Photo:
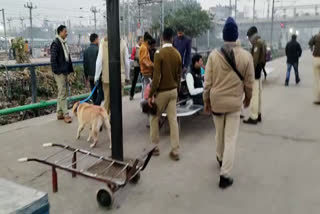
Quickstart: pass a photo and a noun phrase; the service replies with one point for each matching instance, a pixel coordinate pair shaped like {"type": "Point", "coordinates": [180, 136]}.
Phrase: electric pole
{"type": "Point", "coordinates": [9, 22]}
{"type": "Point", "coordinates": [5, 31]}
{"type": "Point", "coordinates": [230, 7]}
{"type": "Point", "coordinates": [272, 20]}
{"type": "Point", "coordinates": [268, 9]}
{"type": "Point", "coordinates": [235, 9]}
{"type": "Point", "coordinates": [162, 16]}
{"type": "Point", "coordinates": [254, 10]}
{"type": "Point", "coordinates": [22, 23]}
{"type": "Point", "coordinates": [94, 11]}
{"type": "Point", "coordinates": [30, 6]}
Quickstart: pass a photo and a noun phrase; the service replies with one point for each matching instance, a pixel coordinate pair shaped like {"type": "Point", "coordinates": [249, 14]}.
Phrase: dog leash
{"type": "Point", "coordinates": [91, 94]}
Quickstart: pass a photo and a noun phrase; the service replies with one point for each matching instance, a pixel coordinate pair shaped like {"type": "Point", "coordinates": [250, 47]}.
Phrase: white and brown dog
{"type": "Point", "coordinates": [94, 116]}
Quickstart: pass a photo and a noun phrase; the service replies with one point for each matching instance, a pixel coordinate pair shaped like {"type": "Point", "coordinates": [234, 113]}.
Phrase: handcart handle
{"type": "Point", "coordinates": [23, 160]}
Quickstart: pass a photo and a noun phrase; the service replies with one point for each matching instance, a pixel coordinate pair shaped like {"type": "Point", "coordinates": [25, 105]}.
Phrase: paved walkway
{"type": "Point", "coordinates": [276, 169]}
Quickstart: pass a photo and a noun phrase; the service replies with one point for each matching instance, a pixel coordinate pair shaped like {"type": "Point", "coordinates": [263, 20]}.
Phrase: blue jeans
{"type": "Point", "coordinates": [295, 67]}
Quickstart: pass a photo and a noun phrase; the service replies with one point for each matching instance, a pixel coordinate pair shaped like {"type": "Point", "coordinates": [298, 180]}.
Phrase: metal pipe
{"type": "Point", "coordinates": [115, 79]}
{"type": "Point", "coordinates": [272, 20]}
{"type": "Point", "coordinates": [42, 104]}
{"type": "Point", "coordinates": [33, 84]}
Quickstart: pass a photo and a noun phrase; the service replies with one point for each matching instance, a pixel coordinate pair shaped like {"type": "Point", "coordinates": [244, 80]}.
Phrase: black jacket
{"type": "Point", "coordinates": [89, 60]}
{"type": "Point", "coordinates": [293, 51]}
{"type": "Point", "coordinates": [58, 61]}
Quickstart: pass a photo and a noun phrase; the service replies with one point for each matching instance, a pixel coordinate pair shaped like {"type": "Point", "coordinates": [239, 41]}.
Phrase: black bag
{"type": "Point", "coordinates": [147, 109]}
{"type": "Point", "coordinates": [232, 63]}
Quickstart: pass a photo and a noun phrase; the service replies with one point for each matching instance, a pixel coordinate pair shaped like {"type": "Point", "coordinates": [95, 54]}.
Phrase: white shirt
{"type": "Point", "coordinates": [127, 63]}
{"type": "Point", "coordinates": [98, 64]}
{"type": "Point", "coordinates": [190, 83]}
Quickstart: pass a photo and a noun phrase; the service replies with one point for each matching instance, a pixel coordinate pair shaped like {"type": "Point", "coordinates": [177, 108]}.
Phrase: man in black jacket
{"type": "Point", "coordinates": [61, 67]}
{"type": "Point", "coordinates": [293, 52]}
{"type": "Point", "coordinates": [195, 81]}
{"type": "Point", "coordinates": [89, 67]}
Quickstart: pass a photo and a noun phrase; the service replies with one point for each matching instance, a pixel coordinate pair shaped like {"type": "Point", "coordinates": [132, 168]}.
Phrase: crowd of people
{"type": "Point", "coordinates": [231, 81]}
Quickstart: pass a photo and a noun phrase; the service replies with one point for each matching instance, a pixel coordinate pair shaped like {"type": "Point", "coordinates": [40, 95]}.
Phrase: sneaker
{"type": "Point", "coordinates": [174, 156]}
{"type": "Point", "coordinates": [251, 121]}
{"type": "Point", "coordinates": [286, 84]}
{"type": "Point", "coordinates": [67, 119]}
{"type": "Point", "coordinates": [298, 81]}
{"type": "Point", "coordinates": [316, 102]}
{"type": "Point", "coordinates": [219, 162]}
{"type": "Point", "coordinates": [225, 182]}
{"type": "Point", "coordinates": [259, 118]}
{"type": "Point", "coordinates": [131, 98]}
{"type": "Point", "coordinates": [60, 117]}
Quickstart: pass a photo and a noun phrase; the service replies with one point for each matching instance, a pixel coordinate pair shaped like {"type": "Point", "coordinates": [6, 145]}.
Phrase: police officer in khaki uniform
{"type": "Point", "coordinates": [258, 52]}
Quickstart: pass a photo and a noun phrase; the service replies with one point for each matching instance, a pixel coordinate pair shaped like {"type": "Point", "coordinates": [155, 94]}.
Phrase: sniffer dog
{"type": "Point", "coordinates": [94, 116]}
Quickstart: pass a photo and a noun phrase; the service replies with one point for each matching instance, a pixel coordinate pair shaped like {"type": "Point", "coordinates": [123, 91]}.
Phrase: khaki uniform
{"type": "Point", "coordinates": [224, 90]}
{"type": "Point", "coordinates": [165, 84]}
{"type": "Point", "coordinates": [105, 70]}
{"type": "Point", "coordinates": [259, 53]}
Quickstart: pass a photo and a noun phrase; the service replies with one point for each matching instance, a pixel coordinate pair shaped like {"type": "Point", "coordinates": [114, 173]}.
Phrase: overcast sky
{"type": "Point", "coordinates": [61, 10]}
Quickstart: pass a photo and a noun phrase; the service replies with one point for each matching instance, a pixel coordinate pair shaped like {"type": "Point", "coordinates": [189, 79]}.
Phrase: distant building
{"type": "Point", "coordinates": [219, 12]}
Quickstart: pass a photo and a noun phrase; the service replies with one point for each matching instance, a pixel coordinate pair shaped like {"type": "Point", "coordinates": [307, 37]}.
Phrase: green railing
{"type": "Point", "coordinates": [42, 104]}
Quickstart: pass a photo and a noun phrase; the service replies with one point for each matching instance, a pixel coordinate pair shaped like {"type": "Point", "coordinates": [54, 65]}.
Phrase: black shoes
{"type": "Point", "coordinates": [131, 98]}
{"type": "Point", "coordinates": [259, 118]}
{"type": "Point", "coordinates": [251, 121]}
{"type": "Point", "coordinates": [219, 162]}
{"type": "Point", "coordinates": [225, 182]}
{"type": "Point", "coordinates": [286, 84]}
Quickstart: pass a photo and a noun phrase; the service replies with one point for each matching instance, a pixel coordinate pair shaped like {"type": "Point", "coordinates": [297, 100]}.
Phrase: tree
{"type": "Point", "coordinates": [191, 16]}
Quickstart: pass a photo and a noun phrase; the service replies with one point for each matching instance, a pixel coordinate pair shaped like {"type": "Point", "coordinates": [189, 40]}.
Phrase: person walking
{"type": "Point", "coordinates": [164, 92]}
{"type": "Point", "coordinates": [146, 65]}
{"type": "Point", "coordinates": [228, 77]}
{"type": "Point", "coordinates": [293, 53]}
{"type": "Point", "coordinates": [183, 44]}
{"type": "Point", "coordinates": [136, 65]}
{"type": "Point", "coordinates": [314, 44]}
{"type": "Point", "coordinates": [89, 66]}
{"type": "Point", "coordinates": [61, 65]}
{"type": "Point", "coordinates": [258, 52]}
{"type": "Point", "coordinates": [102, 68]}
{"type": "Point", "coordinates": [195, 81]}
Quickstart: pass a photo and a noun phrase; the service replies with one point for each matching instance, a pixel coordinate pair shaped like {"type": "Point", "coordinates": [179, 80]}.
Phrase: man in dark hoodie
{"type": "Point", "coordinates": [89, 67]}
{"type": "Point", "coordinates": [293, 53]}
{"type": "Point", "coordinates": [183, 44]}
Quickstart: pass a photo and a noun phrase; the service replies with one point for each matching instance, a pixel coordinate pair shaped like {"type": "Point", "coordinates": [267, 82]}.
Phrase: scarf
{"type": "Point", "coordinates": [65, 47]}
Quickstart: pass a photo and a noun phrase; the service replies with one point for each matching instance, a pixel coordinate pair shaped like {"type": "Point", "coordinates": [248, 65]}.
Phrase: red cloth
{"type": "Point", "coordinates": [147, 92]}
{"type": "Point", "coordinates": [133, 53]}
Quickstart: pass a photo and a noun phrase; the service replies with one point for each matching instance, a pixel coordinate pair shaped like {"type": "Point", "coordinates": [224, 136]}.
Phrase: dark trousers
{"type": "Point", "coordinates": [98, 95]}
{"type": "Point", "coordinates": [134, 81]}
{"type": "Point", "coordinates": [197, 99]}
{"type": "Point", "coordinates": [296, 71]}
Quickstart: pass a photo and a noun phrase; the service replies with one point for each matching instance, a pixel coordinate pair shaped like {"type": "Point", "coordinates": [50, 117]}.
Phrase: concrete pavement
{"type": "Point", "coordinates": [276, 169]}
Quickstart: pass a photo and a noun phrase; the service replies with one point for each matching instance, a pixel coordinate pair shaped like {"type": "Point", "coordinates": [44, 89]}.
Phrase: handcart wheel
{"type": "Point", "coordinates": [135, 179]}
{"type": "Point", "coordinates": [105, 198]}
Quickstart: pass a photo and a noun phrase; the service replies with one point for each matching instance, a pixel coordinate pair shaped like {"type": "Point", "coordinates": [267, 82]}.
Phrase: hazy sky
{"type": "Point", "coordinates": [61, 10]}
